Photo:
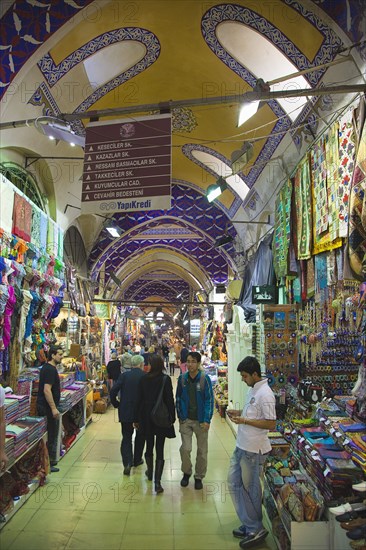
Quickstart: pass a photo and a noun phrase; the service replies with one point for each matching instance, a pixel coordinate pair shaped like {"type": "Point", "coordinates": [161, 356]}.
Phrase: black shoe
{"type": "Point", "coordinates": [54, 469]}
{"type": "Point", "coordinates": [240, 532]}
{"type": "Point", "coordinates": [198, 484]}
{"type": "Point", "coordinates": [357, 533]}
{"type": "Point", "coordinates": [127, 470]}
{"type": "Point", "coordinates": [252, 538]}
{"type": "Point", "coordinates": [138, 463]}
{"type": "Point", "coordinates": [349, 516]}
{"type": "Point", "coordinates": [185, 480]}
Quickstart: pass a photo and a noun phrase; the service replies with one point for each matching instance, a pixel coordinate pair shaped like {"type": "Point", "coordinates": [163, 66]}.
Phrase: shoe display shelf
{"type": "Point", "coordinates": [300, 535]}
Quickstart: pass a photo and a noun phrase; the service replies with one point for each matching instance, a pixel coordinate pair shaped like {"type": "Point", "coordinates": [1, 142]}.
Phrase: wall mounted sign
{"type": "Point", "coordinates": [127, 165]}
{"type": "Point", "coordinates": [264, 294]}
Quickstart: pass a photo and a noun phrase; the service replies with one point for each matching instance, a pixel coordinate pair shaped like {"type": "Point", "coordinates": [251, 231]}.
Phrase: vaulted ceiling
{"type": "Point", "coordinates": [80, 56]}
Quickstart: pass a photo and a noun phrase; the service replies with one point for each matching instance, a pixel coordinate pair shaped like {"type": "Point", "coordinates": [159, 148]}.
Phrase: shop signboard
{"type": "Point", "coordinates": [264, 294]}
{"type": "Point", "coordinates": [127, 165]}
{"type": "Point", "coordinates": [102, 310]}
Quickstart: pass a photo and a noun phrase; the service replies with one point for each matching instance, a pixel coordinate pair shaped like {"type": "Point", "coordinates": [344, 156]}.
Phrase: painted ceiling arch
{"type": "Point", "coordinates": [176, 51]}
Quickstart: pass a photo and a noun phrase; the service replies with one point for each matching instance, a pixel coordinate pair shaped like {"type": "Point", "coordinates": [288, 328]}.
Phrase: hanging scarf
{"type": "Point", "coordinates": [22, 218]}
{"type": "Point", "coordinates": [303, 205]}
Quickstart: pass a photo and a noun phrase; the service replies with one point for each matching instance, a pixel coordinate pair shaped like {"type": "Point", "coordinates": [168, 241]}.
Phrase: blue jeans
{"type": "Point", "coordinates": [244, 481]}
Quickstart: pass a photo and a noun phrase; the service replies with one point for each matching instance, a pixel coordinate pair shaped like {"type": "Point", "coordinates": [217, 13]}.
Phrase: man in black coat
{"type": "Point", "coordinates": [127, 388]}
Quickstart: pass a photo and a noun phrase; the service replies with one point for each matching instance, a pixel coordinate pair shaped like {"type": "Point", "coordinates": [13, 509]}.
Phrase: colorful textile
{"type": "Point", "coordinates": [324, 174]}
{"type": "Point", "coordinates": [6, 207]}
{"type": "Point", "coordinates": [22, 218]}
{"type": "Point", "coordinates": [357, 230]}
{"type": "Point", "coordinates": [281, 237]}
{"type": "Point", "coordinates": [36, 226]}
{"type": "Point", "coordinates": [43, 232]}
{"type": "Point", "coordinates": [319, 174]}
{"type": "Point", "coordinates": [347, 152]}
{"type": "Point", "coordinates": [303, 205]}
{"type": "Point", "coordinates": [310, 278]}
{"type": "Point", "coordinates": [332, 158]}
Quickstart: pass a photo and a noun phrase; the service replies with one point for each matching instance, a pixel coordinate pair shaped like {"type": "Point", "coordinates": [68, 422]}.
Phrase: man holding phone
{"type": "Point", "coordinates": [252, 446]}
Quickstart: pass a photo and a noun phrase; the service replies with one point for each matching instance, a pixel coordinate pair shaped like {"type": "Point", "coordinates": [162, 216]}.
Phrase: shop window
{"type": "Point", "coordinates": [24, 181]}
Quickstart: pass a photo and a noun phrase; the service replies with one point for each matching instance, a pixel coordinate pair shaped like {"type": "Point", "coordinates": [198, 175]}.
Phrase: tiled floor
{"type": "Point", "coordinates": [90, 505]}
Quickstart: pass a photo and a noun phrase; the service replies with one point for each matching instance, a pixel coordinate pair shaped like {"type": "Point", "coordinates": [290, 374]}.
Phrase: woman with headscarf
{"type": "Point", "coordinates": [149, 389]}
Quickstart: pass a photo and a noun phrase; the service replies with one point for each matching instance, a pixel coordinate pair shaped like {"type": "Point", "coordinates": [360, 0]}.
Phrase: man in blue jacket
{"type": "Point", "coordinates": [127, 388]}
{"type": "Point", "coordinates": [195, 406]}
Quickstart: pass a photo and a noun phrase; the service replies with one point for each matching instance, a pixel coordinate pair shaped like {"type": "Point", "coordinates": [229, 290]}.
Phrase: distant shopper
{"type": "Point", "coordinates": [146, 356]}
{"type": "Point", "coordinates": [3, 457]}
{"type": "Point", "coordinates": [126, 359]}
{"type": "Point", "coordinates": [149, 389]}
{"type": "Point", "coordinates": [252, 447]}
{"type": "Point", "coordinates": [195, 407]}
{"type": "Point", "coordinates": [183, 359]}
{"type": "Point", "coordinates": [127, 389]}
{"type": "Point", "coordinates": [165, 352]}
{"type": "Point", "coordinates": [172, 361]}
{"type": "Point", "coordinates": [48, 398]}
{"type": "Point", "coordinates": [113, 369]}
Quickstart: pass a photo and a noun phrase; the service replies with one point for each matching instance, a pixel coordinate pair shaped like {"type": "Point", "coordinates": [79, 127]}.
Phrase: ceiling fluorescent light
{"type": "Point", "coordinates": [215, 190]}
{"type": "Point", "coordinates": [247, 110]}
{"type": "Point", "coordinates": [114, 231]}
{"type": "Point", "coordinates": [241, 157]}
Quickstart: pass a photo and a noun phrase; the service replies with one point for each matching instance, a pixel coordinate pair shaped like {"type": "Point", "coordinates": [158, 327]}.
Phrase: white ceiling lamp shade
{"type": "Point", "coordinates": [241, 157]}
{"type": "Point", "coordinates": [247, 110]}
{"type": "Point", "coordinates": [58, 130]}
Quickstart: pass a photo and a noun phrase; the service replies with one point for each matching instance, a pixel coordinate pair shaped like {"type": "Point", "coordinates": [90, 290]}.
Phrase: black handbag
{"type": "Point", "coordinates": [160, 415]}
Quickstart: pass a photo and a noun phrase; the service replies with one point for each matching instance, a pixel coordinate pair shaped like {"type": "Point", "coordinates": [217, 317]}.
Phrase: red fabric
{"type": "Point", "coordinates": [22, 218]}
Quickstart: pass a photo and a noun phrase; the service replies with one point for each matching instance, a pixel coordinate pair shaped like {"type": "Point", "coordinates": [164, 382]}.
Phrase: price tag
{"type": "Point", "coordinates": [327, 422]}
{"type": "Point", "coordinates": [301, 439]}
{"type": "Point", "coordinates": [332, 430]}
{"type": "Point", "coordinates": [326, 472]}
{"type": "Point", "coordinates": [293, 432]}
{"type": "Point", "coordinates": [338, 434]}
{"type": "Point", "coordinates": [307, 447]}
{"type": "Point", "coordinates": [346, 442]}
{"type": "Point", "coordinates": [317, 458]}
{"type": "Point", "coordinates": [313, 453]}
{"type": "Point", "coordinates": [322, 419]}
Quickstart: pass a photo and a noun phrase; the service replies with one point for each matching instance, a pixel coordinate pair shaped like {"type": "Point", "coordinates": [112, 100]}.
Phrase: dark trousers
{"type": "Point", "coordinates": [53, 426]}
{"type": "Point", "coordinates": [172, 367]}
{"type": "Point", "coordinates": [159, 446]}
{"type": "Point", "coordinates": [130, 458]}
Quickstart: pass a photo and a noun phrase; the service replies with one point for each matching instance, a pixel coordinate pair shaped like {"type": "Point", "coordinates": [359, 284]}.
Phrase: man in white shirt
{"type": "Point", "coordinates": [252, 446]}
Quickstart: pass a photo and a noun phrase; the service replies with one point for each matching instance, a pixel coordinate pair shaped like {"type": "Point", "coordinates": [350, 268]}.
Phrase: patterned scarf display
{"type": "Point", "coordinates": [357, 227]}
{"type": "Point", "coordinates": [22, 218]}
{"type": "Point", "coordinates": [303, 206]}
{"type": "Point", "coordinates": [281, 237]}
{"type": "Point", "coordinates": [346, 164]}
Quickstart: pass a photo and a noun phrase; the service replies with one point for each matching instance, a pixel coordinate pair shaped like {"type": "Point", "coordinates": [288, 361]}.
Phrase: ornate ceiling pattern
{"type": "Point", "coordinates": [74, 56]}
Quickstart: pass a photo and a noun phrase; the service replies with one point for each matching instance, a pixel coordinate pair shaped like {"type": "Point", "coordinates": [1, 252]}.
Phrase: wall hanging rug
{"type": "Point", "coordinates": [357, 225]}
{"type": "Point", "coordinates": [346, 165]}
{"type": "Point", "coordinates": [281, 237]}
{"type": "Point", "coordinates": [303, 206]}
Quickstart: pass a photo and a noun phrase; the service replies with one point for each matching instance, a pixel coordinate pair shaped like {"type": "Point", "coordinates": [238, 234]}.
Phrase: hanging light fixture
{"type": "Point", "coordinates": [215, 190]}
{"type": "Point", "coordinates": [247, 110]}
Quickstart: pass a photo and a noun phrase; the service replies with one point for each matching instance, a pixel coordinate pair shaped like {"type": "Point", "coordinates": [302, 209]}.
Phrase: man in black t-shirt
{"type": "Point", "coordinates": [113, 368]}
{"type": "Point", "coordinates": [48, 398]}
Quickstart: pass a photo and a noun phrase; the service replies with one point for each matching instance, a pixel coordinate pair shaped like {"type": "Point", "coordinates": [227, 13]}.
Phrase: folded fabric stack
{"type": "Point", "coordinates": [21, 404]}
{"type": "Point", "coordinates": [66, 378]}
{"type": "Point", "coordinates": [19, 434]}
{"type": "Point", "coordinates": [71, 395]}
{"type": "Point", "coordinates": [36, 426]}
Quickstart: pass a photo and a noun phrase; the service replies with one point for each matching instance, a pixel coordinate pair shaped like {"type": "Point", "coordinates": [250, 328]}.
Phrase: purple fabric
{"type": "Point", "coordinates": [7, 316]}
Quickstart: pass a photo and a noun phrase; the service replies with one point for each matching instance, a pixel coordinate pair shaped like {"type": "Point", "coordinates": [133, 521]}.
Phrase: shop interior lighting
{"type": "Point", "coordinates": [114, 231]}
{"type": "Point", "coordinates": [247, 110]}
{"type": "Point", "coordinates": [185, 322]}
{"type": "Point", "coordinates": [58, 130]}
{"type": "Point", "coordinates": [215, 190]}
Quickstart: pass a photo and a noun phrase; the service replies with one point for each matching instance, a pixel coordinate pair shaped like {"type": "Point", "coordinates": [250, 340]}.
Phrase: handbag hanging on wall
{"type": "Point", "coordinates": [160, 414]}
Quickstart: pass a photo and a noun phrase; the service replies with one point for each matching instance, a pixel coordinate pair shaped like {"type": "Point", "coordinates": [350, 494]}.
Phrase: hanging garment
{"type": "Point", "coordinates": [347, 152]}
{"type": "Point", "coordinates": [303, 205]}
{"type": "Point", "coordinates": [22, 218]}
{"type": "Point", "coordinates": [281, 236]}
{"type": "Point", "coordinates": [6, 207]}
{"type": "Point", "coordinates": [357, 228]}
{"type": "Point", "coordinates": [7, 316]}
{"type": "Point", "coordinates": [27, 300]}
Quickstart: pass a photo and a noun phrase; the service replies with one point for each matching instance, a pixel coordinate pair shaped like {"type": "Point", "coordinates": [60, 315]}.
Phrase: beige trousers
{"type": "Point", "coordinates": [187, 429]}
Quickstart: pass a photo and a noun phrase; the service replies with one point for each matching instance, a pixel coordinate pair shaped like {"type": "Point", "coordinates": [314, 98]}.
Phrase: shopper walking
{"type": "Point", "coordinates": [126, 388]}
{"type": "Point", "coordinates": [48, 398]}
{"type": "Point", "coordinates": [183, 359]}
{"type": "Point", "coordinates": [252, 446]}
{"type": "Point", "coordinates": [149, 389]}
{"type": "Point", "coordinates": [195, 406]}
{"type": "Point", "coordinates": [172, 361]}
{"type": "Point", "coordinates": [113, 369]}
